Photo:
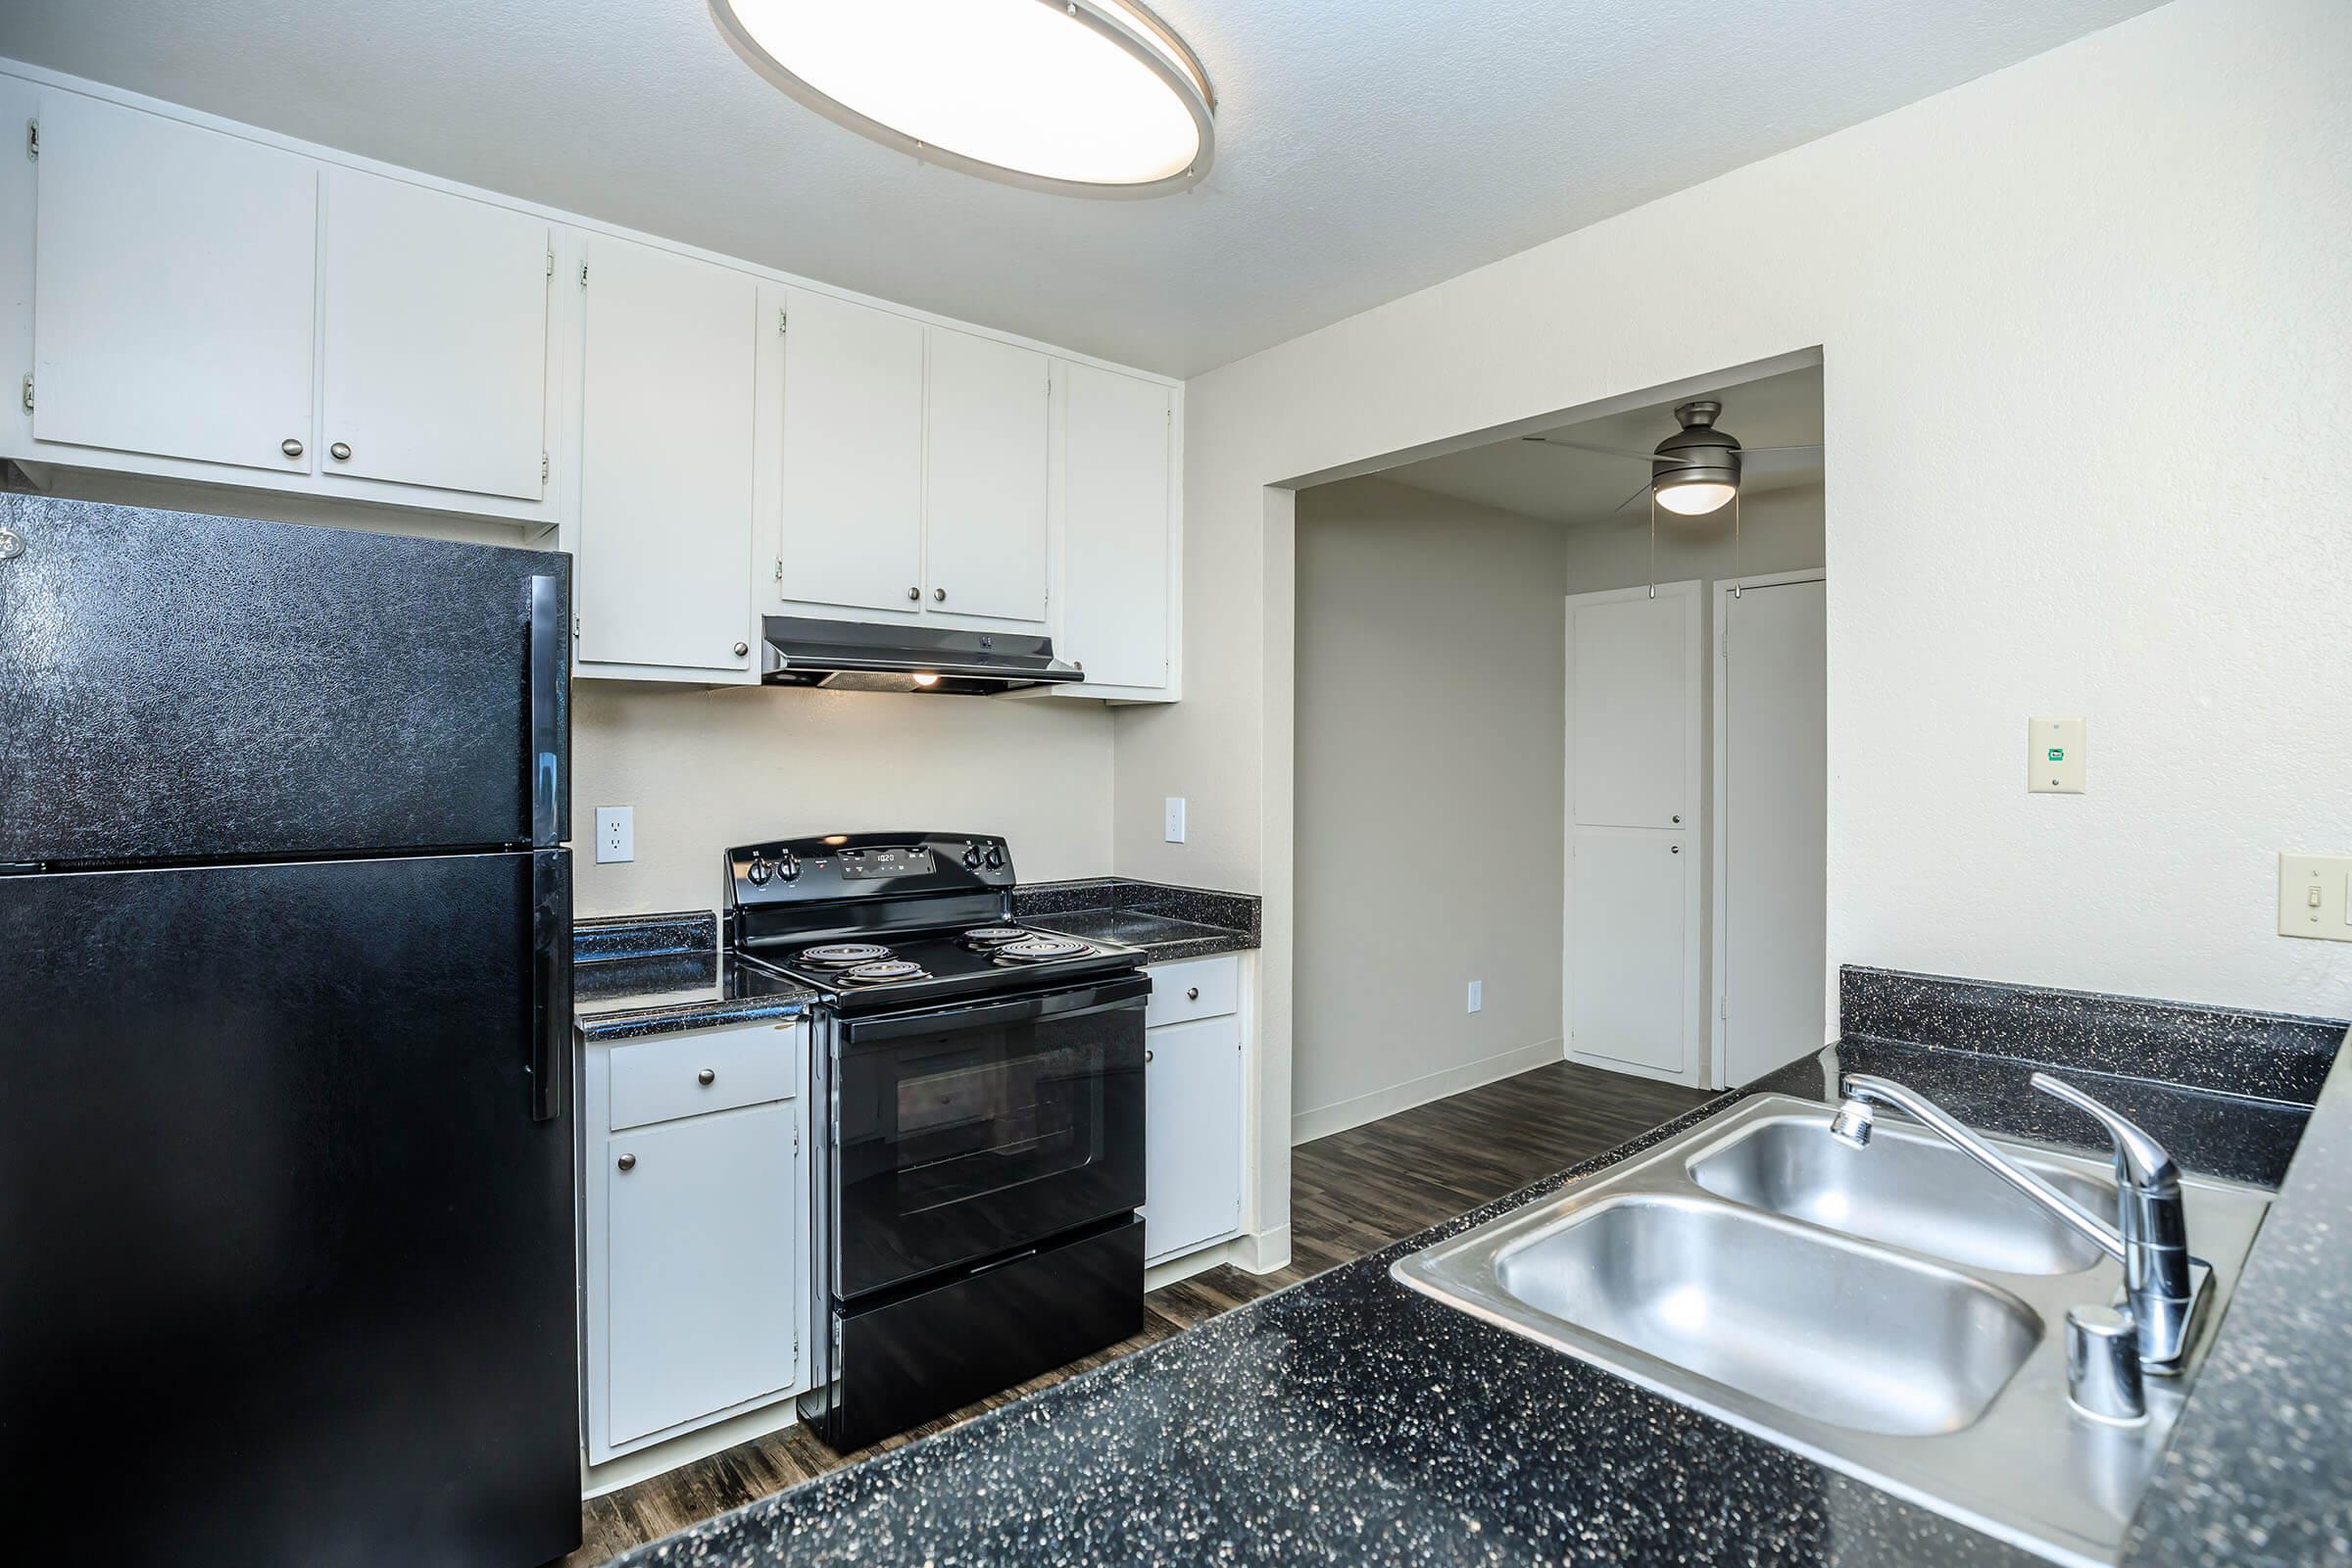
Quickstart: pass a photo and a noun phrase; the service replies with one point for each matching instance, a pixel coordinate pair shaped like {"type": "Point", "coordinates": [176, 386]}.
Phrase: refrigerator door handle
{"type": "Point", "coordinates": [546, 678]}
{"type": "Point", "coordinates": [551, 983]}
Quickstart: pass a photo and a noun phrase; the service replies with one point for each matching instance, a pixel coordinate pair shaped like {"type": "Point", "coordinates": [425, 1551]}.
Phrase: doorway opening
{"type": "Point", "coordinates": [1560, 780]}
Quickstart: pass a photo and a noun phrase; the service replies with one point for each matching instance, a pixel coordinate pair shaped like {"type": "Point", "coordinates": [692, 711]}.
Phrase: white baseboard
{"type": "Point", "coordinates": [1202, 1262]}
{"type": "Point", "coordinates": [1310, 1125]}
{"type": "Point", "coordinates": [1265, 1252]}
{"type": "Point", "coordinates": [627, 1469]}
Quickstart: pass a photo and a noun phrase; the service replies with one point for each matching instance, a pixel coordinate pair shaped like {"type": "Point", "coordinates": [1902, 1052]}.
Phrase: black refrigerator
{"type": "Point", "coordinates": [286, 1224]}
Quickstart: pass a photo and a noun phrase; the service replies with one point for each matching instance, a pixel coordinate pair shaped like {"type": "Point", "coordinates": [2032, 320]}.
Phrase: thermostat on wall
{"type": "Point", "coordinates": [2054, 757]}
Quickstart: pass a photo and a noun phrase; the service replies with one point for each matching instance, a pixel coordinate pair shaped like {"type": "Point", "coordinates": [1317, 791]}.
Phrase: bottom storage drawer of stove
{"type": "Point", "coordinates": [939, 1350]}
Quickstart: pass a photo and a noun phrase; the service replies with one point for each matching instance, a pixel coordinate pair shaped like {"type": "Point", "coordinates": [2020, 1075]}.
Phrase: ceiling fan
{"type": "Point", "coordinates": [1693, 471]}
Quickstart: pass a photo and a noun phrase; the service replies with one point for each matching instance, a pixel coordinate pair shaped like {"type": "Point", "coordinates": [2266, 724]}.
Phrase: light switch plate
{"type": "Point", "coordinates": [1477, 998]}
{"type": "Point", "coordinates": [1175, 834]}
{"type": "Point", "coordinates": [2315, 897]}
{"type": "Point", "coordinates": [2054, 755]}
{"type": "Point", "coordinates": [615, 834]}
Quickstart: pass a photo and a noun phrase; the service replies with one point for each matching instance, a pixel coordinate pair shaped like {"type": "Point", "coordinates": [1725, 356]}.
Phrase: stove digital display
{"type": "Point", "coordinates": [857, 866]}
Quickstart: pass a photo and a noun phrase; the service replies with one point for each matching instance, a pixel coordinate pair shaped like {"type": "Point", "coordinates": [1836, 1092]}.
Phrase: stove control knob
{"type": "Point", "coordinates": [788, 867]}
{"type": "Point", "coordinates": [996, 858]}
{"type": "Point", "coordinates": [971, 856]}
{"type": "Point", "coordinates": [758, 871]}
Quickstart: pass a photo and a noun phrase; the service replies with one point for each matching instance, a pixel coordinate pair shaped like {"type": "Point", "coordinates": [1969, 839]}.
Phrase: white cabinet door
{"type": "Point", "coordinates": [1192, 1134]}
{"type": "Point", "coordinates": [985, 477]}
{"type": "Point", "coordinates": [1632, 704]}
{"type": "Point", "coordinates": [1115, 548]}
{"type": "Point", "coordinates": [435, 357]}
{"type": "Point", "coordinates": [666, 394]}
{"type": "Point", "coordinates": [850, 525]}
{"type": "Point", "coordinates": [174, 295]}
{"type": "Point", "coordinates": [1632, 947]}
{"type": "Point", "coordinates": [703, 1251]}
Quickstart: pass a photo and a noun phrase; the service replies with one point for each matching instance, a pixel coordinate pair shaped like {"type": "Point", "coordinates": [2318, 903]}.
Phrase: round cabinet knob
{"type": "Point", "coordinates": [340, 452]}
{"type": "Point", "coordinates": [940, 594]}
{"type": "Point", "coordinates": [1678, 819]}
{"type": "Point", "coordinates": [742, 648]}
{"type": "Point", "coordinates": [1191, 993]}
{"type": "Point", "coordinates": [290, 447]}
{"type": "Point", "coordinates": [626, 1163]}
{"type": "Point", "coordinates": [705, 1077]}
{"type": "Point", "coordinates": [914, 593]}
{"type": "Point", "coordinates": [1674, 849]}
{"type": "Point", "coordinates": [1147, 1056]}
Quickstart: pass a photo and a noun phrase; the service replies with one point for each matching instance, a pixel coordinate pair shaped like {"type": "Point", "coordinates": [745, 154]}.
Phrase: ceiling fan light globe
{"type": "Point", "coordinates": [1691, 498]}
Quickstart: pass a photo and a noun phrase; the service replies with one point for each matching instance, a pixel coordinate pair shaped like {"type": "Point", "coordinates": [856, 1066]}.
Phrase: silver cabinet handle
{"type": "Point", "coordinates": [1149, 1058]}
{"type": "Point", "coordinates": [742, 648]}
{"type": "Point", "coordinates": [1678, 819]}
{"type": "Point", "coordinates": [705, 1077]}
{"type": "Point", "coordinates": [940, 595]}
{"type": "Point", "coordinates": [914, 593]}
{"type": "Point", "coordinates": [340, 452]}
{"type": "Point", "coordinates": [290, 447]}
{"type": "Point", "coordinates": [1674, 849]}
{"type": "Point", "coordinates": [1191, 993]}
{"type": "Point", "coordinates": [627, 1162]}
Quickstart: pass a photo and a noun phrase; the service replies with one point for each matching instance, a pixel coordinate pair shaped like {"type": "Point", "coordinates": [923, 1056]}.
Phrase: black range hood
{"type": "Point", "coordinates": [852, 655]}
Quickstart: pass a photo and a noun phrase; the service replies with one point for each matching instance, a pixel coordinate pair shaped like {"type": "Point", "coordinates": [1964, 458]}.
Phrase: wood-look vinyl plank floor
{"type": "Point", "coordinates": [1352, 1192]}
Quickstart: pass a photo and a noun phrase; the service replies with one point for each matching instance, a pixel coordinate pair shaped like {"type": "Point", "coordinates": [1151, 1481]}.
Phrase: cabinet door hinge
{"type": "Point", "coordinates": [27, 394]}
{"type": "Point", "coordinates": [779, 568]}
{"type": "Point", "coordinates": [543, 468]}
{"type": "Point", "coordinates": [575, 629]}
{"type": "Point", "coordinates": [32, 138]}
{"type": "Point", "coordinates": [551, 260]}
{"type": "Point", "coordinates": [783, 321]}
{"type": "Point", "coordinates": [583, 275]}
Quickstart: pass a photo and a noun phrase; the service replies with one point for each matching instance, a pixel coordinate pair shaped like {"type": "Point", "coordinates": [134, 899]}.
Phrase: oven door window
{"type": "Point", "coordinates": [973, 1136]}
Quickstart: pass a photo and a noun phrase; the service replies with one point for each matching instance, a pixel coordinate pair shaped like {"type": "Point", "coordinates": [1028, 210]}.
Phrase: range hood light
{"type": "Point", "coordinates": [1082, 97]}
{"type": "Point", "coordinates": [925, 677]}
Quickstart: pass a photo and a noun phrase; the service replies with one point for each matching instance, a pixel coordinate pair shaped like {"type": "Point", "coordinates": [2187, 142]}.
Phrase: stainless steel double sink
{"type": "Point", "coordinates": [1892, 1312]}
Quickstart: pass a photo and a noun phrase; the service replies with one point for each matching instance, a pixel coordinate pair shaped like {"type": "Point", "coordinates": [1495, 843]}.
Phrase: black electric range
{"type": "Point", "coordinates": [978, 1158]}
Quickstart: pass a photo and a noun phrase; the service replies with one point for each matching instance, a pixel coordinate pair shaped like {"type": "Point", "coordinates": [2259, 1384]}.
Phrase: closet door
{"type": "Point", "coordinates": [175, 271]}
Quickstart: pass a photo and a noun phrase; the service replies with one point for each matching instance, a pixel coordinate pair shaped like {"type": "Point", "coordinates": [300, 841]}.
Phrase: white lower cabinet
{"type": "Point", "coordinates": [697, 1235]}
{"type": "Point", "coordinates": [1193, 1088]}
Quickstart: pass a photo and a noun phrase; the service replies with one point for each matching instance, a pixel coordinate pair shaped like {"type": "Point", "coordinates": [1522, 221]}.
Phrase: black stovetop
{"type": "Point", "coordinates": [952, 970]}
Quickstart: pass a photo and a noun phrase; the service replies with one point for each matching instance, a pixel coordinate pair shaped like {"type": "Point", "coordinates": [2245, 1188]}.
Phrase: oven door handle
{"type": "Point", "coordinates": [1126, 991]}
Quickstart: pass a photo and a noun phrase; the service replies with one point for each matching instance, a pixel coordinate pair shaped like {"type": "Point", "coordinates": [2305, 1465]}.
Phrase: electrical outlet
{"type": "Point", "coordinates": [1175, 820]}
{"type": "Point", "coordinates": [1478, 996]}
{"type": "Point", "coordinates": [615, 834]}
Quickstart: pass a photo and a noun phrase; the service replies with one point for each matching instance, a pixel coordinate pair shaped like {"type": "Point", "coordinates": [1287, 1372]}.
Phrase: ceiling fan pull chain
{"type": "Point", "coordinates": [1653, 543]}
{"type": "Point", "coordinates": [1736, 574]}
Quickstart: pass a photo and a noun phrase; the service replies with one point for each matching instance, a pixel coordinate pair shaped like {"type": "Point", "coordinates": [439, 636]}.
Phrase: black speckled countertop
{"type": "Point", "coordinates": [1167, 923]}
{"type": "Point", "coordinates": [650, 974]}
{"type": "Point", "coordinates": [1348, 1420]}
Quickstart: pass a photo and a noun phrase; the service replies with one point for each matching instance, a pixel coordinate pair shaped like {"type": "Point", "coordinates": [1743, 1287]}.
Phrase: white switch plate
{"type": "Point", "coordinates": [615, 834]}
{"type": "Point", "coordinates": [1175, 820]}
{"type": "Point", "coordinates": [2315, 897]}
{"type": "Point", "coordinates": [1478, 996]}
{"type": "Point", "coordinates": [2054, 755]}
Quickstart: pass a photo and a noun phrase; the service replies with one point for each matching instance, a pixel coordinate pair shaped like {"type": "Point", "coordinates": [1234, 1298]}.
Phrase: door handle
{"type": "Point", "coordinates": [545, 679]}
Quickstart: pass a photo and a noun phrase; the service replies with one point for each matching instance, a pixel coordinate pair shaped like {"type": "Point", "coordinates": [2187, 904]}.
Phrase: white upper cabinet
{"type": "Point", "coordinates": [985, 477]}
{"type": "Point", "coordinates": [174, 300]}
{"type": "Point", "coordinates": [667, 441]}
{"type": "Point", "coordinates": [1118, 611]}
{"type": "Point", "coordinates": [435, 353]}
{"type": "Point", "coordinates": [850, 529]}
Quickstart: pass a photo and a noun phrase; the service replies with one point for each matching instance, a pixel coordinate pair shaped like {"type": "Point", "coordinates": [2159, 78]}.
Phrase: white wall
{"type": "Point", "coordinates": [1429, 705]}
{"type": "Point", "coordinates": [2088, 330]}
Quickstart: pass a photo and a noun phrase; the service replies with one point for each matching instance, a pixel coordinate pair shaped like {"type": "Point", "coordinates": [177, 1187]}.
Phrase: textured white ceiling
{"type": "Point", "coordinates": [1573, 487]}
{"type": "Point", "coordinates": [1366, 148]}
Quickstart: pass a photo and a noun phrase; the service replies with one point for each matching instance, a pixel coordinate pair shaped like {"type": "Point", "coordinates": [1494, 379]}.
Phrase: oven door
{"type": "Point", "coordinates": [962, 1134]}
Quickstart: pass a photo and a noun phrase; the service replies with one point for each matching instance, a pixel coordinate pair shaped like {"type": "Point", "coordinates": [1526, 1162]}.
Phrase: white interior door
{"type": "Point", "coordinates": [436, 338]}
{"type": "Point", "coordinates": [851, 519]}
{"type": "Point", "coordinates": [985, 474]}
{"type": "Point", "coordinates": [174, 289]}
{"type": "Point", "coordinates": [666, 390]}
{"type": "Point", "coordinates": [1632, 971]}
{"type": "Point", "coordinates": [1115, 549]}
{"type": "Point", "coordinates": [1772, 815]}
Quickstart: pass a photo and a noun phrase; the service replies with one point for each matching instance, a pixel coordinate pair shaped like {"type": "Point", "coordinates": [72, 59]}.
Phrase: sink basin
{"type": "Point", "coordinates": [1910, 1187]}
{"type": "Point", "coordinates": [1844, 1334]}
{"type": "Point", "coordinates": [1892, 1312]}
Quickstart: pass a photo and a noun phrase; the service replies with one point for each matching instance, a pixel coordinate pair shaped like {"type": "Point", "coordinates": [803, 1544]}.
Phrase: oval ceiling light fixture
{"type": "Point", "coordinates": [1696, 469]}
{"type": "Point", "coordinates": [1081, 97]}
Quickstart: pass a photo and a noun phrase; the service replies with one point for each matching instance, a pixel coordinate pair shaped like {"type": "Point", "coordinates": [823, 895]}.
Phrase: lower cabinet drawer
{"type": "Point", "coordinates": [1196, 988]}
{"type": "Point", "coordinates": [710, 1070]}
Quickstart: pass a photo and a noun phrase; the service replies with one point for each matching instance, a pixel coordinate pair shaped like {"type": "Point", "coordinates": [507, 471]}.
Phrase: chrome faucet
{"type": "Point", "coordinates": [2160, 1280]}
